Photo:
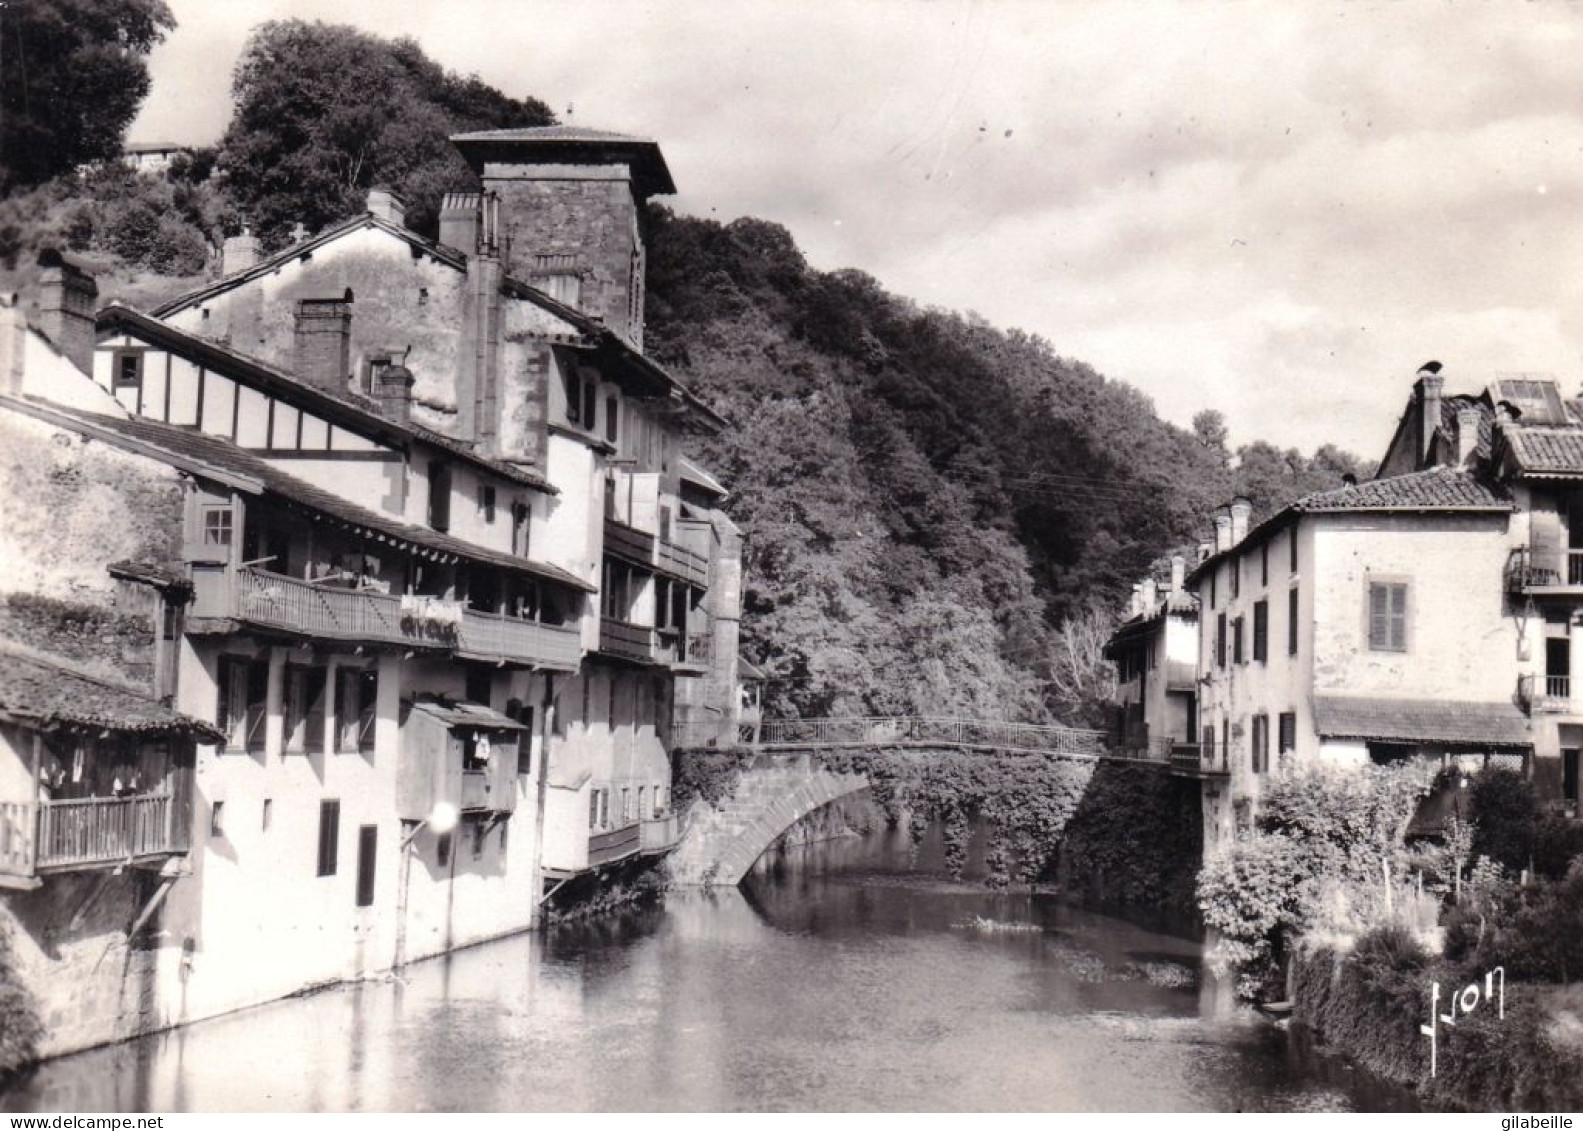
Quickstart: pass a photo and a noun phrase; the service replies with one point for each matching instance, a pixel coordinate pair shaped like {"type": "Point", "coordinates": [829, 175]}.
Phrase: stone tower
{"type": "Point", "coordinates": [571, 213]}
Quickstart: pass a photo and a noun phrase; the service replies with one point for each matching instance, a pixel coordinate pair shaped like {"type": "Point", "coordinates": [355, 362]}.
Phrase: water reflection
{"type": "Point", "coordinates": [836, 979]}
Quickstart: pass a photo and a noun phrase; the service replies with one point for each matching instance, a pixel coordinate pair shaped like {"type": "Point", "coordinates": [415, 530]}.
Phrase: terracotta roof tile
{"type": "Point", "coordinates": [1437, 488]}
{"type": "Point", "coordinates": [1541, 451]}
{"type": "Point", "coordinates": [45, 692]}
{"type": "Point", "coordinates": [1421, 720]}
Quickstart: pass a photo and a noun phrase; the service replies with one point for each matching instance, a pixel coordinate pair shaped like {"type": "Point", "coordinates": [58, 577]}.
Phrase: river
{"type": "Point", "coordinates": [849, 975]}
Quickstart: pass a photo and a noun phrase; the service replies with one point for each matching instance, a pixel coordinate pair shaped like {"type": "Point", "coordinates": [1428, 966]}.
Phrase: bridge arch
{"type": "Point", "coordinates": [723, 842]}
{"type": "Point", "coordinates": [783, 779]}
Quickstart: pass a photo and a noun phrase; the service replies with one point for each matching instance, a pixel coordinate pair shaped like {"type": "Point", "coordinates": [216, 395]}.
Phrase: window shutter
{"type": "Point", "coordinates": [1379, 616]}
{"type": "Point", "coordinates": [1291, 623]}
{"type": "Point", "coordinates": [367, 855]}
{"type": "Point", "coordinates": [329, 836]}
{"type": "Point", "coordinates": [1261, 631]}
{"type": "Point", "coordinates": [257, 703]}
{"type": "Point", "coordinates": [1399, 617]}
{"type": "Point", "coordinates": [1288, 732]}
{"type": "Point", "coordinates": [1220, 641]}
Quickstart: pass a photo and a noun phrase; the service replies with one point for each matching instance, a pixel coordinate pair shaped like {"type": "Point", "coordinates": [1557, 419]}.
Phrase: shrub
{"type": "Point", "coordinates": [1557, 843]}
{"type": "Point", "coordinates": [20, 1029]}
{"type": "Point", "coordinates": [1506, 814]}
{"type": "Point", "coordinates": [1370, 1003]}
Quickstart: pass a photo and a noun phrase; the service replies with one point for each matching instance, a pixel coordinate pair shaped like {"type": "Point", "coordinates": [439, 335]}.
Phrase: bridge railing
{"type": "Point", "coordinates": [890, 730]}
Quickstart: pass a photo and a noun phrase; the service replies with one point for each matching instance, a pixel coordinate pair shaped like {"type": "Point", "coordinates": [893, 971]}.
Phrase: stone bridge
{"type": "Point", "coordinates": [782, 780]}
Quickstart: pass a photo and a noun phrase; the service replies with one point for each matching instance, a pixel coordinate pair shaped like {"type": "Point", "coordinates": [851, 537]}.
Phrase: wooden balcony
{"type": "Point", "coordinates": [687, 651]}
{"type": "Point", "coordinates": [67, 835]}
{"type": "Point", "coordinates": [642, 548]}
{"type": "Point", "coordinates": [1556, 572]}
{"type": "Point", "coordinates": [635, 642]}
{"type": "Point", "coordinates": [272, 600]}
{"type": "Point", "coordinates": [659, 834]}
{"type": "Point", "coordinates": [616, 844]}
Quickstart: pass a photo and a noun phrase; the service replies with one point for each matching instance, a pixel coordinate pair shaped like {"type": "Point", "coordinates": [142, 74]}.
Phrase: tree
{"type": "Point", "coordinates": [1082, 681]}
{"type": "Point", "coordinates": [324, 112]}
{"type": "Point", "coordinates": [72, 76]}
{"type": "Point", "coordinates": [1209, 429]}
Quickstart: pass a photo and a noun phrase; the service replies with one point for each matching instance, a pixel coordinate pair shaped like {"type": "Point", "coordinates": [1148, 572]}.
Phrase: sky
{"type": "Point", "coordinates": [1278, 211]}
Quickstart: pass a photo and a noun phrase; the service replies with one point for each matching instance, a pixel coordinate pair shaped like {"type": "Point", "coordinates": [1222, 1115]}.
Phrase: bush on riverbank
{"type": "Point", "coordinates": [1326, 843]}
{"type": "Point", "coordinates": [1136, 838]}
{"type": "Point", "coordinates": [20, 1029]}
{"type": "Point", "coordinates": [1369, 1004]}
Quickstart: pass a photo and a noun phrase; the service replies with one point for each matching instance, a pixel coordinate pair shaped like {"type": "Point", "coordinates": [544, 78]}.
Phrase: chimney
{"type": "Point", "coordinates": [1429, 386]}
{"type": "Point", "coordinates": [67, 298]}
{"type": "Point", "coordinates": [1468, 419]}
{"type": "Point", "coordinates": [391, 388]}
{"type": "Point", "coordinates": [1178, 573]}
{"type": "Point", "coordinates": [385, 204]}
{"type": "Point", "coordinates": [1205, 549]}
{"type": "Point", "coordinates": [1222, 530]}
{"type": "Point", "coordinates": [1150, 596]}
{"type": "Point", "coordinates": [1241, 511]}
{"type": "Point", "coordinates": [323, 354]}
{"type": "Point", "coordinates": [459, 221]}
{"type": "Point", "coordinates": [13, 345]}
{"type": "Point", "coordinates": [239, 253]}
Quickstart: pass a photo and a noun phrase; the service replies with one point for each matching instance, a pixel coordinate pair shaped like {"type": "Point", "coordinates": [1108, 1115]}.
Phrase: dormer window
{"type": "Point", "coordinates": [129, 370]}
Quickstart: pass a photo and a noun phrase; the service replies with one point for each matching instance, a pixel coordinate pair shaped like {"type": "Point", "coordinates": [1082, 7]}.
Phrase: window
{"type": "Point", "coordinates": [1264, 564]}
{"type": "Point", "coordinates": [1291, 623]}
{"type": "Point", "coordinates": [486, 502]}
{"type": "Point", "coordinates": [604, 808]}
{"type": "Point", "coordinates": [574, 398]}
{"type": "Point", "coordinates": [216, 526]}
{"type": "Point", "coordinates": [563, 286]}
{"type": "Point", "coordinates": [1288, 738]}
{"type": "Point", "coordinates": [659, 801]}
{"type": "Point", "coordinates": [1236, 641]}
{"type": "Point", "coordinates": [329, 836]}
{"type": "Point", "coordinates": [356, 709]}
{"type": "Point", "coordinates": [439, 496]}
{"type": "Point", "coordinates": [367, 855]}
{"type": "Point", "coordinates": [626, 805]}
{"type": "Point", "coordinates": [1220, 641]}
{"type": "Point", "coordinates": [128, 370]}
{"type": "Point", "coordinates": [1236, 578]}
{"type": "Point", "coordinates": [593, 808]}
{"type": "Point", "coordinates": [442, 850]}
{"type": "Point", "coordinates": [1214, 586]}
{"type": "Point", "coordinates": [1261, 743]}
{"type": "Point", "coordinates": [1387, 616]}
{"type": "Point", "coordinates": [611, 428]}
{"type": "Point", "coordinates": [524, 716]}
{"type": "Point", "coordinates": [610, 715]}
{"type": "Point", "coordinates": [244, 687]}
{"type": "Point", "coordinates": [1293, 546]}
{"type": "Point", "coordinates": [590, 405]}
{"type": "Point", "coordinates": [520, 516]}
{"type": "Point", "coordinates": [305, 703]}
{"type": "Point", "coordinates": [1261, 632]}
{"type": "Point", "coordinates": [588, 688]}
{"type": "Point", "coordinates": [1208, 753]}
{"type": "Point", "coordinates": [216, 819]}
{"type": "Point", "coordinates": [640, 802]}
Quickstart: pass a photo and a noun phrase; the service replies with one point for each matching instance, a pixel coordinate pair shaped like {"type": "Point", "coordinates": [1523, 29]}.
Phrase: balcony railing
{"type": "Point", "coordinates": [1528, 571]}
{"type": "Point", "coordinates": [616, 844]}
{"type": "Point", "coordinates": [104, 830]}
{"type": "Point", "coordinates": [643, 548]}
{"type": "Point", "coordinates": [274, 600]}
{"type": "Point", "coordinates": [1558, 687]}
{"type": "Point", "coordinates": [1551, 693]}
{"type": "Point", "coordinates": [659, 834]}
{"type": "Point", "coordinates": [628, 641]}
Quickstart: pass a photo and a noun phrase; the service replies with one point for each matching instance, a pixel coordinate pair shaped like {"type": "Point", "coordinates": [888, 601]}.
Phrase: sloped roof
{"type": "Point", "coordinates": [570, 143]}
{"type": "Point", "coordinates": [1421, 720]}
{"type": "Point", "coordinates": [1435, 488]}
{"type": "Point", "coordinates": [458, 712]}
{"type": "Point", "coordinates": [1546, 451]}
{"type": "Point", "coordinates": [1452, 406]}
{"type": "Point", "coordinates": [698, 477]}
{"type": "Point", "coordinates": [235, 464]}
{"type": "Point", "coordinates": [45, 692]}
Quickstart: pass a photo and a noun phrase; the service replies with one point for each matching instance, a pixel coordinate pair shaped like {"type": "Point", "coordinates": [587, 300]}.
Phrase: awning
{"type": "Point", "coordinates": [457, 713]}
{"type": "Point", "coordinates": [1450, 723]}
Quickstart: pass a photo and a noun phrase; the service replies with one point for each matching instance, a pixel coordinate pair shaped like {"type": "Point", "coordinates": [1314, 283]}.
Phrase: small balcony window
{"type": "Point", "coordinates": [217, 526]}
